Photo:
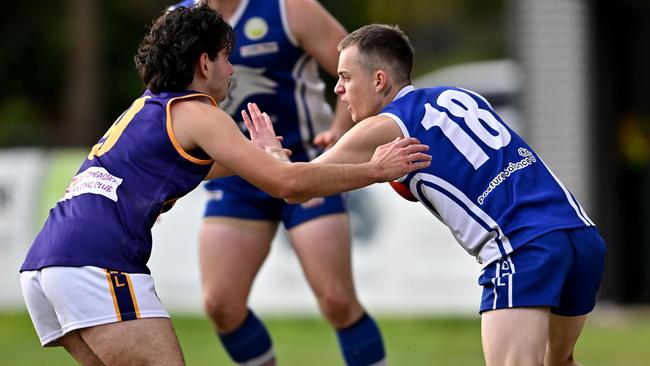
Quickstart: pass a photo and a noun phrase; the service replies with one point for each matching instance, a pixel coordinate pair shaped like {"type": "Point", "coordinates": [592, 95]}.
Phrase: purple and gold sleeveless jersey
{"type": "Point", "coordinates": [136, 171]}
{"type": "Point", "coordinates": [485, 183]}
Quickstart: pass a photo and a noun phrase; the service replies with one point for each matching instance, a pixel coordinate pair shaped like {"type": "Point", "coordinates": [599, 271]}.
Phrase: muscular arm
{"type": "Point", "coordinates": [358, 144]}
{"type": "Point", "coordinates": [197, 124]}
{"type": "Point", "coordinates": [318, 33]}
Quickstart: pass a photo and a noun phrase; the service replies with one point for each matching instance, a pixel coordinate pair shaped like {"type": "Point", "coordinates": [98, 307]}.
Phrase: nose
{"type": "Point", "coordinates": [338, 88]}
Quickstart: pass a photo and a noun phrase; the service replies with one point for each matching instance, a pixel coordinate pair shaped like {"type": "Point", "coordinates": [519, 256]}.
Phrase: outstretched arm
{"type": "Point", "coordinates": [197, 124]}
{"type": "Point", "coordinates": [361, 145]}
{"type": "Point", "coordinates": [358, 145]}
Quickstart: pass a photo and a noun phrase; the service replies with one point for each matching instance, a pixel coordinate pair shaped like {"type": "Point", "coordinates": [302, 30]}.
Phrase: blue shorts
{"type": "Point", "coordinates": [561, 269]}
{"type": "Point", "coordinates": [235, 197]}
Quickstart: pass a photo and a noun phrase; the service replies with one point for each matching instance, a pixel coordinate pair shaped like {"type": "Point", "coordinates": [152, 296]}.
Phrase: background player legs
{"type": "Point", "coordinates": [515, 336]}
{"type": "Point", "coordinates": [121, 343]}
{"type": "Point", "coordinates": [77, 347]}
{"type": "Point", "coordinates": [231, 252]}
{"type": "Point", "coordinates": [323, 247]}
{"type": "Point", "coordinates": [563, 334]}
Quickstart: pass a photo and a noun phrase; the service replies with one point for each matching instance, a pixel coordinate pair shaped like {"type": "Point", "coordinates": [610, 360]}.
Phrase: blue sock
{"type": "Point", "coordinates": [249, 342]}
{"type": "Point", "coordinates": [361, 343]}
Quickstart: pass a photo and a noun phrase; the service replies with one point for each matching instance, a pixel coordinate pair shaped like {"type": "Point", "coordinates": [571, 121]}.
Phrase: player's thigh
{"type": "Point", "coordinates": [563, 334]}
{"type": "Point", "coordinates": [323, 248]}
{"type": "Point", "coordinates": [231, 252]}
{"type": "Point", "coordinates": [515, 336]}
{"type": "Point", "coordinates": [79, 349]}
{"type": "Point", "coordinates": [146, 341]}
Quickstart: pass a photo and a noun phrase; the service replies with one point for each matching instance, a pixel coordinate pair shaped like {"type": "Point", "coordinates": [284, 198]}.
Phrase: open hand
{"type": "Point", "coordinates": [400, 157]}
{"type": "Point", "coordinates": [261, 130]}
{"type": "Point", "coordinates": [327, 139]}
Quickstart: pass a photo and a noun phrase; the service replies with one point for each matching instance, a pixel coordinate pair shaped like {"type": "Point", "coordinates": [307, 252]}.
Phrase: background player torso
{"type": "Point", "coordinates": [134, 173]}
{"type": "Point", "coordinates": [485, 183]}
{"type": "Point", "coordinates": [274, 72]}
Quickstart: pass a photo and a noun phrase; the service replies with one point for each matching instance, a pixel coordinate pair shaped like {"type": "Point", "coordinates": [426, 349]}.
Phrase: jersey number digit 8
{"type": "Point", "coordinates": [462, 105]}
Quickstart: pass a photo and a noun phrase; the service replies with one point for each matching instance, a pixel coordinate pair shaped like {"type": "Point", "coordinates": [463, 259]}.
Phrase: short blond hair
{"type": "Point", "coordinates": [382, 46]}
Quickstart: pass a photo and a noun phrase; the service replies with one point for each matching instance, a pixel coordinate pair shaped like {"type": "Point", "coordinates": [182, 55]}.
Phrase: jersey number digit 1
{"type": "Point", "coordinates": [110, 137]}
{"type": "Point", "coordinates": [470, 112]}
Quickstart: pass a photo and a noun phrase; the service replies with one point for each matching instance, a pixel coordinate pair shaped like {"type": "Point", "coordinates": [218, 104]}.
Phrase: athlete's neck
{"type": "Point", "coordinates": [392, 92]}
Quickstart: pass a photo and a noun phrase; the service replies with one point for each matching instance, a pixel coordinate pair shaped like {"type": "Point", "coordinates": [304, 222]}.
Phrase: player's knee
{"type": "Point", "coordinates": [340, 311]}
{"type": "Point", "coordinates": [223, 312]}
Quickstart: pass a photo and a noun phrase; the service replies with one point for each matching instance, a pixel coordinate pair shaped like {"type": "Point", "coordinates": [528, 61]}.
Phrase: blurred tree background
{"type": "Point", "coordinates": [67, 67]}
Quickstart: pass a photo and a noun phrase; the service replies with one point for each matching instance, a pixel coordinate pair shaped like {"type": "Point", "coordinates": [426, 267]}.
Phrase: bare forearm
{"type": "Point", "coordinates": [318, 180]}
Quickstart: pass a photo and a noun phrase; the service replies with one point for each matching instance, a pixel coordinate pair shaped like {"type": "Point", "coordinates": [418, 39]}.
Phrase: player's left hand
{"type": "Point", "coordinates": [327, 139]}
{"type": "Point", "coordinates": [261, 129]}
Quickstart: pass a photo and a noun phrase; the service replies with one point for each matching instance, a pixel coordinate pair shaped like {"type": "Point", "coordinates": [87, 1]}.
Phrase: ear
{"type": "Point", "coordinates": [203, 65]}
{"type": "Point", "coordinates": [380, 80]}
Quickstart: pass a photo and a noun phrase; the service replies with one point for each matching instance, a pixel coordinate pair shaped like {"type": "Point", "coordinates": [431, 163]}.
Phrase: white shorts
{"type": "Point", "coordinates": [62, 299]}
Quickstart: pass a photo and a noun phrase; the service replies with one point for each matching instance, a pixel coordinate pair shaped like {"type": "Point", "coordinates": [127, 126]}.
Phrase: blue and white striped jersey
{"type": "Point", "coordinates": [485, 183]}
{"type": "Point", "coordinates": [273, 71]}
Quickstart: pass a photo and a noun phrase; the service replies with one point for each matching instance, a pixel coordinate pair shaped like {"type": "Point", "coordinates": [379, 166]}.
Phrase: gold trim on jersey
{"type": "Point", "coordinates": [170, 131]}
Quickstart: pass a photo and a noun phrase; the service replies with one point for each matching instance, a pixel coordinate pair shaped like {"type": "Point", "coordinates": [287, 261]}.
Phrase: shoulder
{"type": "Point", "coordinates": [306, 6]}
{"type": "Point", "coordinates": [316, 31]}
{"type": "Point", "coordinates": [194, 104]}
{"type": "Point", "coordinates": [306, 15]}
{"type": "Point", "coordinates": [196, 122]}
{"type": "Point", "coordinates": [383, 126]}
{"type": "Point", "coordinates": [196, 110]}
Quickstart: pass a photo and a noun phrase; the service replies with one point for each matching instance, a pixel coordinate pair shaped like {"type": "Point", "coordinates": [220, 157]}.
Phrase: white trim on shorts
{"type": "Point", "coordinates": [62, 299]}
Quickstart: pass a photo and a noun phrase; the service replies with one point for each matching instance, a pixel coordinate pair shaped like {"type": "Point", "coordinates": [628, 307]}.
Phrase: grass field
{"type": "Point", "coordinates": [607, 341]}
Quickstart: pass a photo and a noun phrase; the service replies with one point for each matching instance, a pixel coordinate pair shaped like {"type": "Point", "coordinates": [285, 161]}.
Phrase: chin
{"type": "Point", "coordinates": [356, 117]}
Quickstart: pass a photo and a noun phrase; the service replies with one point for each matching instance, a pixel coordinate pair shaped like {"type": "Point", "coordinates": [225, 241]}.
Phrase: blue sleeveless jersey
{"type": "Point", "coordinates": [274, 72]}
{"type": "Point", "coordinates": [136, 171]}
{"type": "Point", "coordinates": [485, 183]}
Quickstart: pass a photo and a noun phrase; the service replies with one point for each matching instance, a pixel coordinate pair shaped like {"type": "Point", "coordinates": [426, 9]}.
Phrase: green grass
{"type": "Point", "coordinates": [409, 341]}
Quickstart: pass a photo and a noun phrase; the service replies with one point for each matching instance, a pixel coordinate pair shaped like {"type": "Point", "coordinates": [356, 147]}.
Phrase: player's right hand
{"type": "Point", "coordinates": [261, 130]}
{"type": "Point", "coordinates": [400, 157]}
